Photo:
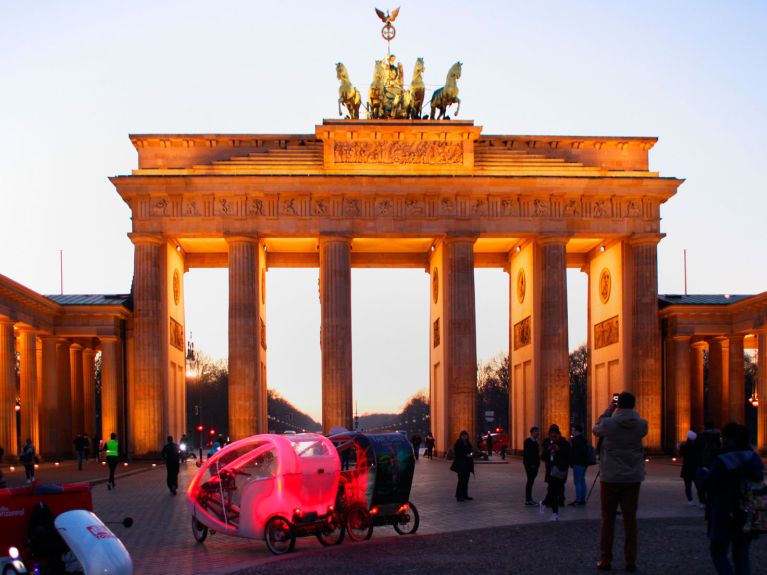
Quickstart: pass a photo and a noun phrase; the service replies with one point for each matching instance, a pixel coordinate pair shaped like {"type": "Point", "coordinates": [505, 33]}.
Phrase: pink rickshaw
{"type": "Point", "coordinates": [271, 487]}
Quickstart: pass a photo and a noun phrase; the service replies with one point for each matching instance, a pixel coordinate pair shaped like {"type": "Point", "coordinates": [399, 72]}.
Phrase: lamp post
{"type": "Point", "coordinates": [192, 374]}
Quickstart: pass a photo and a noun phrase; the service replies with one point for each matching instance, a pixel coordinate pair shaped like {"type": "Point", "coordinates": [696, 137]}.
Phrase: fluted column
{"type": "Point", "coordinates": [110, 381]}
{"type": "Point", "coordinates": [49, 398]}
{"type": "Point", "coordinates": [737, 377]}
{"type": "Point", "coordinates": [28, 392]}
{"type": "Point", "coordinates": [336, 331]}
{"type": "Point", "coordinates": [697, 366]}
{"type": "Point", "coordinates": [554, 360]}
{"type": "Point", "coordinates": [63, 411]}
{"type": "Point", "coordinates": [460, 336]}
{"type": "Point", "coordinates": [645, 336]}
{"type": "Point", "coordinates": [76, 381]}
{"type": "Point", "coordinates": [678, 409]}
{"type": "Point", "coordinates": [89, 392]}
{"type": "Point", "coordinates": [718, 381]}
{"type": "Point", "coordinates": [762, 375]}
{"type": "Point", "coordinates": [244, 342]}
{"type": "Point", "coordinates": [8, 437]}
{"type": "Point", "coordinates": [147, 393]}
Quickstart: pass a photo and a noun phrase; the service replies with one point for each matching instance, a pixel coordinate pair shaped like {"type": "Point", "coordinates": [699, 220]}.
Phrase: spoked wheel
{"type": "Point", "coordinates": [199, 530]}
{"type": "Point", "coordinates": [359, 524]}
{"type": "Point", "coordinates": [332, 532]}
{"type": "Point", "coordinates": [406, 521]}
{"type": "Point", "coordinates": [279, 535]}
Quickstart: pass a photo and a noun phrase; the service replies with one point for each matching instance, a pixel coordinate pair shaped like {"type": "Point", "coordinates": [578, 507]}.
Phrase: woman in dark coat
{"type": "Point", "coordinates": [463, 465]}
{"type": "Point", "coordinates": [688, 451]}
{"type": "Point", "coordinates": [556, 457]}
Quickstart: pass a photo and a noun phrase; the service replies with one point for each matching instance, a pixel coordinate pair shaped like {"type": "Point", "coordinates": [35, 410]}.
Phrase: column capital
{"type": "Point", "coordinates": [5, 320]}
{"type": "Point", "coordinates": [142, 238]}
{"type": "Point", "coordinates": [552, 239]}
{"type": "Point", "coordinates": [679, 337]}
{"type": "Point", "coordinates": [234, 238]}
{"type": "Point", "coordinates": [335, 238]}
{"type": "Point", "coordinates": [108, 339]}
{"type": "Point", "coordinates": [76, 347]}
{"type": "Point", "coordinates": [642, 239]}
{"type": "Point", "coordinates": [699, 344]}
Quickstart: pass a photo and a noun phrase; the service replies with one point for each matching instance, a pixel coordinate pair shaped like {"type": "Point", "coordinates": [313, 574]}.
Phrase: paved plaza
{"type": "Point", "coordinates": [495, 533]}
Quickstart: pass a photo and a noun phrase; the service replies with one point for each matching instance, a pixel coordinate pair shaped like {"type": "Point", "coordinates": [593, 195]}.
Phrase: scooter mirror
{"type": "Point", "coordinates": [128, 522]}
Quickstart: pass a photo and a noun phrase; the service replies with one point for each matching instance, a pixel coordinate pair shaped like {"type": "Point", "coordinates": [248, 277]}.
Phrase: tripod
{"type": "Point", "coordinates": [593, 484]}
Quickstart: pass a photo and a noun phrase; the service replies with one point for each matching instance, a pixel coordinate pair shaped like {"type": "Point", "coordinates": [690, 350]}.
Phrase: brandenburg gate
{"type": "Point", "coordinates": [436, 195]}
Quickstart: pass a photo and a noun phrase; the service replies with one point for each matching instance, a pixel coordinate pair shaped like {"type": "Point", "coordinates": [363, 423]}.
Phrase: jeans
{"type": "Point", "coordinates": [740, 548]}
{"type": "Point", "coordinates": [112, 464]}
{"type": "Point", "coordinates": [627, 496]}
{"type": "Point", "coordinates": [579, 477]}
{"type": "Point", "coordinates": [80, 457]}
{"type": "Point", "coordinates": [532, 473]}
{"type": "Point", "coordinates": [688, 482]}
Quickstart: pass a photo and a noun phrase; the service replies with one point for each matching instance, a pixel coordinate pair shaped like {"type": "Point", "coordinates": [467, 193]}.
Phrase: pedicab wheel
{"type": "Point", "coordinates": [279, 535]}
{"type": "Point", "coordinates": [332, 532]}
{"type": "Point", "coordinates": [199, 530]}
{"type": "Point", "coordinates": [359, 525]}
{"type": "Point", "coordinates": [406, 521]}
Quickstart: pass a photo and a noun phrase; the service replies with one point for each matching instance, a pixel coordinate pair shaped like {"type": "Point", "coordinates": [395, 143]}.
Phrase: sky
{"type": "Point", "coordinates": [77, 77]}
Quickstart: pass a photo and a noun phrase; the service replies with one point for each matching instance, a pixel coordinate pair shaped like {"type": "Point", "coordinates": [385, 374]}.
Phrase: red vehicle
{"type": "Point", "coordinates": [500, 443]}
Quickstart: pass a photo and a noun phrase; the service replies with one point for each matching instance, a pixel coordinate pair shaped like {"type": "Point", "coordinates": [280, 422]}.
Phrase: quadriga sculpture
{"type": "Point", "coordinates": [447, 94]}
{"type": "Point", "coordinates": [348, 95]}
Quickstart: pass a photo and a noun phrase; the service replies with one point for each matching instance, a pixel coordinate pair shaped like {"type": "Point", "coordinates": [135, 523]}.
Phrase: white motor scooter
{"type": "Point", "coordinates": [93, 544]}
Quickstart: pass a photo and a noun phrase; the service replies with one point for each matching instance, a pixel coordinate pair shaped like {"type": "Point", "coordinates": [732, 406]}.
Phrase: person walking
{"type": "Point", "coordinates": [489, 443]}
{"type": "Point", "coordinates": [531, 459]}
{"type": "Point", "coordinates": [463, 465]}
{"type": "Point", "coordinates": [28, 457]}
{"type": "Point", "coordinates": [736, 464]}
{"type": "Point", "coordinates": [171, 454]}
{"type": "Point", "coordinates": [112, 449]}
{"type": "Point", "coordinates": [621, 468]}
{"type": "Point", "coordinates": [79, 444]}
{"type": "Point", "coordinates": [416, 441]}
{"type": "Point", "coordinates": [579, 460]}
{"type": "Point", "coordinates": [708, 444]}
{"type": "Point", "coordinates": [556, 457]}
{"type": "Point", "coordinates": [429, 443]}
{"type": "Point", "coordinates": [688, 451]}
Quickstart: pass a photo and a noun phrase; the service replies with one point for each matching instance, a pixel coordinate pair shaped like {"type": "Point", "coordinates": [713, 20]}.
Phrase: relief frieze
{"type": "Point", "coordinates": [414, 207]}
{"type": "Point", "coordinates": [522, 333]}
{"type": "Point", "coordinates": [288, 207]}
{"type": "Point", "coordinates": [540, 207]}
{"type": "Point", "coordinates": [223, 207]}
{"type": "Point", "coordinates": [384, 207]}
{"type": "Point", "coordinates": [600, 209]}
{"type": "Point", "coordinates": [256, 207]}
{"type": "Point", "coordinates": [176, 334]}
{"type": "Point", "coordinates": [447, 206]}
{"type": "Point", "coordinates": [190, 208]}
{"type": "Point", "coordinates": [352, 208]}
{"type": "Point", "coordinates": [398, 152]}
{"type": "Point", "coordinates": [606, 333]}
{"type": "Point", "coordinates": [160, 207]}
{"type": "Point", "coordinates": [320, 207]}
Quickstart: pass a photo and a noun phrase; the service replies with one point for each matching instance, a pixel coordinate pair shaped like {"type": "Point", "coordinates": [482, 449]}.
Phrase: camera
{"type": "Point", "coordinates": [615, 398]}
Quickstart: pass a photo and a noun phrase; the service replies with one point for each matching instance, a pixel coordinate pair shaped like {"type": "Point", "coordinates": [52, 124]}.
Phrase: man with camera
{"type": "Point", "coordinates": [621, 467]}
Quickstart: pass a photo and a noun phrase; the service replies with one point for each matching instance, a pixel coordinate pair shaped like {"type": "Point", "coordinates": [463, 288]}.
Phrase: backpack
{"type": "Point", "coordinates": [753, 501]}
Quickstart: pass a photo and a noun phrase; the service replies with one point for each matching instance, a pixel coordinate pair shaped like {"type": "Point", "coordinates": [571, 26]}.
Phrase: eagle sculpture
{"type": "Point", "coordinates": [387, 18]}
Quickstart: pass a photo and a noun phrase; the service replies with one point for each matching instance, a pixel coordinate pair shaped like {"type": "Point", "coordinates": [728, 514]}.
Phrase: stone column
{"type": "Point", "coordinates": [679, 408]}
{"type": "Point", "coordinates": [244, 341]}
{"type": "Point", "coordinates": [645, 336]}
{"type": "Point", "coordinates": [460, 336]}
{"type": "Point", "coordinates": [336, 331]}
{"type": "Point", "coordinates": [147, 390]}
{"type": "Point", "coordinates": [50, 429]}
{"type": "Point", "coordinates": [762, 375]}
{"type": "Point", "coordinates": [76, 369]}
{"type": "Point", "coordinates": [63, 410]}
{"type": "Point", "coordinates": [718, 381]}
{"type": "Point", "coordinates": [697, 366]}
{"type": "Point", "coordinates": [737, 377]}
{"type": "Point", "coordinates": [110, 382]}
{"type": "Point", "coordinates": [554, 360]}
{"type": "Point", "coordinates": [29, 399]}
{"type": "Point", "coordinates": [8, 437]}
{"type": "Point", "coordinates": [89, 392]}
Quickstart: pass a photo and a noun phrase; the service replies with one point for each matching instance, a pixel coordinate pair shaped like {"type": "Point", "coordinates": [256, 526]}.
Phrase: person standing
{"type": "Point", "coordinates": [531, 458]}
{"type": "Point", "coordinates": [429, 442]}
{"type": "Point", "coordinates": [79, 444]}
{"type": "Point", "coordinates": [621, 467]}
{"type": "Point", "coordinates": [416, 441]}
{"type": "Point", "coordinates": [87, 446]}
{"type": "Point", "coordinates": [708, 444]}
{"type": "Point", "coordinates": [171, 454]}
{"type": "Point", "coordinates": [688, 451]}
{"type": "Point", "coordinates": [579, 461]}
{"type": "Point", "coordinates": [736, 464]}
{"type": "Point", "coordinates": [28, 457]}
{"type": "Point", "coordinates": [112, 453]}
{"type": "Point", "coordinates": [463, 465]}
{"type": "Point", "coordinates": [556, 456]}
{"type": "Point", "coordinates": [489, 443]}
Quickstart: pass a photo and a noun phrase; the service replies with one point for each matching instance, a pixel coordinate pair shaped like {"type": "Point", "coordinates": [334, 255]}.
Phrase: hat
{"type": "Point", "coordinates": [554, 429]}
{"type": "Point", "coordinates": [691, 435]}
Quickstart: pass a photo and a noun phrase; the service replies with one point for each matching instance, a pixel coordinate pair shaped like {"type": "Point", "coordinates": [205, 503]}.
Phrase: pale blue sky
{"type": "Point", "coordinates": [77, 77]}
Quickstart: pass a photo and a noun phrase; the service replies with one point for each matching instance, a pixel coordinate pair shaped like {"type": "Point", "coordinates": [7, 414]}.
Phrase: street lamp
{"type": "Point", "coordinates": [193, 373]}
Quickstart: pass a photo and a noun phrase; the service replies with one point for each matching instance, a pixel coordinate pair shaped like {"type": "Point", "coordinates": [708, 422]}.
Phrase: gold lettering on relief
{"type": "Point", "coordinates": [395, 152]}
{"type": "Point", "coordinates": [176, 334]}
{"type": "Point", "coordinates": [606, 333]}
{"type": "Point", "coordinates": [522, 333]}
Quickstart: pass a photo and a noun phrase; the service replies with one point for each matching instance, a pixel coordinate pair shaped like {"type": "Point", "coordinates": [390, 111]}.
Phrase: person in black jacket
{"type": "Point", "coordinates": [556, 456]}
{"type": "Point", "coordinates": [172, 456]}
{"type": "Point", "coordinates": [688, 451]}
{"type": "Point", "coordinates": [463, 465]}
{"type": "Point", "coordinates": [531, 458]}
{"type": "Point", "coordinates": [579, 462]}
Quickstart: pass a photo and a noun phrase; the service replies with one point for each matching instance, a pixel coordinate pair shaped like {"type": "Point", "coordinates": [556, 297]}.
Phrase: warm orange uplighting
{"type": "Point", "coordinates": [103, 463]}
{"type": "Point", "coordinates": [647, 461]}
{"type": "Point", "coordinates": [11, 468]}
{"type": "Point", "coordinates": [673, 459]}
{"type": "Point", "coordinates": [154, 465]}
{"type": "Point", "coordinates": [37, 466]}
{"type": "Point", "coordinates": [57, 464]}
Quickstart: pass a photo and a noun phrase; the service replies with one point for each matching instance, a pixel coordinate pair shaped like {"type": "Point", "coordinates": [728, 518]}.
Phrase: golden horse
{"type": "Point", "coordinates": [417, 90]}
{"type": "Point", "coordinates": [348, 95]}
{"type": "Point", "coordinates": [376, 92]}
{"type": "Point", "coordinates": [447, 94]}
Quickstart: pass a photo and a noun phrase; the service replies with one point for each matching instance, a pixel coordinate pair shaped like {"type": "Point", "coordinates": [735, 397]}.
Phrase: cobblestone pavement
{"type": "Point", "coordinates": [161, 539]}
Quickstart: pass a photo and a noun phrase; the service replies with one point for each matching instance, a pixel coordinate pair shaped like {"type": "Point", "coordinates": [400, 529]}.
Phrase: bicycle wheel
{"type": "Point", "coordinates": [359, 525]}
{"type": "Point", "coordinates": [332, 532]}
{"type": "Point", "coordinates": [406, 521]}
{"type": "Point", "coordinates": [199, 530]}
{"type": "Point", "coordinates": [279, 535]}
